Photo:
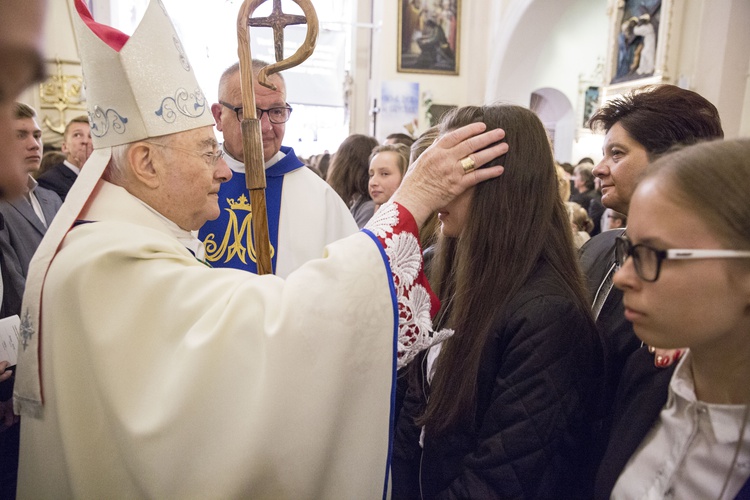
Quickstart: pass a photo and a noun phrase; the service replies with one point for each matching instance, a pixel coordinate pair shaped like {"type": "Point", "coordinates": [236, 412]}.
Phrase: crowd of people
{"type": "Point", "coordinates": [453, 315]}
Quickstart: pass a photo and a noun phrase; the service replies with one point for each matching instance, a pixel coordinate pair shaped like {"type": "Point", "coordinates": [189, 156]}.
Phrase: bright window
{"type": "Point", "coordinates": [315, 89]}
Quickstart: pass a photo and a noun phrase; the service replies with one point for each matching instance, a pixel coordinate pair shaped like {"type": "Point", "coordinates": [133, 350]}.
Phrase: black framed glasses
{"type": "Point", "coordinates": [275, 115]}
{"type": "Point", "coordinates": [647, 260]}
{"type": "Point", "coordinates": [211, 158]}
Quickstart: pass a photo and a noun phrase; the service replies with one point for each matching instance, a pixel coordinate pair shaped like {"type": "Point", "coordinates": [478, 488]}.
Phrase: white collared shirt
{"type": "Point", "coordinates": [237, 166]}
{"type": "Point", "coordinates": [32, 199]}
{"type": "Point", "coordinates": [689, 451]}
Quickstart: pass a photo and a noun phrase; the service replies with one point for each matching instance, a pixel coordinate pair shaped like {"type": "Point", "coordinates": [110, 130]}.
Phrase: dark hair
{"type": "Point", "coordinates": [21, 110]}
{"type": "Point", "coordinates": [348, 171]}
{"type": "Point", "coordinates": [49, 160]}
{"type": "Point", "coordinates": [586, 173]}
{"type": "Point", "coordinates": [399, 138]}
{"type": "Point", "coordinates": [660, 116]}
{"type": "Point", "coordinates": [514, 221]}
{"type": "Point", "coordinates": [697, 176]}
{"type": "Point", "coordinates": [323, 161]}
{"type": "Point", "coordinates": [568, 168]}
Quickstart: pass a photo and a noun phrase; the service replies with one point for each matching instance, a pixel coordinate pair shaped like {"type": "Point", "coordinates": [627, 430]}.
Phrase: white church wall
{"type": "Point", "coordinates": [463, 89]}
{"type": "Point", "coordinates": [713, 58]}
{"type": "Point", "coordinates": [546, 44]}
{"type": "Point", "coordinates": [554, 45]}
{"type": "Point", "coordinates": [509, 48]}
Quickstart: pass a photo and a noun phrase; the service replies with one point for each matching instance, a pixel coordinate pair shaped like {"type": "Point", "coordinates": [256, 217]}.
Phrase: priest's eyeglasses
{"type": "Point", "coordinates": [211, 158]}
{"type": "Point", "coordinates": [647, 260]}
{"type": "Point", "coordinates": [275, 115]}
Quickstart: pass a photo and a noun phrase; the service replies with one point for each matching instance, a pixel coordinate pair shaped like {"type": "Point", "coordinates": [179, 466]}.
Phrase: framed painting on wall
{"type": "Point", "coordinates": [436, 112]}
{"type": "Point", "coordinates": [590, 104]}
{"type": "Point", "coordinates": [637, 41]}
{"type": "Point", "coordinates": [640, 31]}
{"type": "Point", "coordinates": [428, 35]}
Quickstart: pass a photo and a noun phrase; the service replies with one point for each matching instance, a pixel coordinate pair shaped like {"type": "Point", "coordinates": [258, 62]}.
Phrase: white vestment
{"type": "Point", "coordinates": [312, 215]}
{"type": "Point", "coordinates": [648, 52]}
{"type": "Point", "coordinates": [164, 378]}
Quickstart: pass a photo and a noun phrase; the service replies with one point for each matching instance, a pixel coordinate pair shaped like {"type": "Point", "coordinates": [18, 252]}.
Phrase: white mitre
{"type": "Point", "coordinates": [146, 89]}
{"type": "Point", "coordinates": [136, 87]}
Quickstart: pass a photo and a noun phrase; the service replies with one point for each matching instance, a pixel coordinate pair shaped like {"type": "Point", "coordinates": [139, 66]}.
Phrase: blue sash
{"type": "Point", "coordinates": [228, 239]}
{"type": "Point", "coordinates": [744, 493]}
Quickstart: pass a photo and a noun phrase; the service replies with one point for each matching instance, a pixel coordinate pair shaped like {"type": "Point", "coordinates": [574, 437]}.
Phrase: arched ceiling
{"type": "Point", "coordinates": [541, 43]}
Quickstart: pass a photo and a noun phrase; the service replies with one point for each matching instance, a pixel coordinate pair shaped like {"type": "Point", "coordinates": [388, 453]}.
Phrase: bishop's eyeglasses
{"type": "Point", "coordinates": [275, 115]}
{"type": "Point", "coordinates": [647, 260]}
{"type": "Point", "coordinates": [211, 158]}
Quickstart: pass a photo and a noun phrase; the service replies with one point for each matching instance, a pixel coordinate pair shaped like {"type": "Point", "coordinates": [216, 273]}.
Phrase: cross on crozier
{"type": "Point", "coordinates": [277, 21]}
{"type": "Point", "coordinates": [252, 140]}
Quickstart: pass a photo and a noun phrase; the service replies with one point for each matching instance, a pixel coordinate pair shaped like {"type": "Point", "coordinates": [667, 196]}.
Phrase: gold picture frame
{"type": "Point", "coordinates": [428, 36]}
{"type": "Point", "coordinates": [641, 33]}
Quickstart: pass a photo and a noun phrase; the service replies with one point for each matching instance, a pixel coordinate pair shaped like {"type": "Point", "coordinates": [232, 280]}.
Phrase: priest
{"type": "Point", "coordinates": [304, 213]}
{"type": "Point", "coordinates": [143, 372]}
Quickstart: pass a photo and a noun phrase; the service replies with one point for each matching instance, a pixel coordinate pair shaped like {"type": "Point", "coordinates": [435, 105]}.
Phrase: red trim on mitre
{"type": "Point", "coordinates": [112, 37]}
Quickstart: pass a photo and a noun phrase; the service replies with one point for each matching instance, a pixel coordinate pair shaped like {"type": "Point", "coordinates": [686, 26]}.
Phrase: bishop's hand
{"type": "Point", "coordinates": [443, 171]}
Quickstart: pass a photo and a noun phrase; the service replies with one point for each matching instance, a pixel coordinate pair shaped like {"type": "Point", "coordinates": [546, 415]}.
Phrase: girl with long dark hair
{"type": "Point", "coordinates": [504, 408]}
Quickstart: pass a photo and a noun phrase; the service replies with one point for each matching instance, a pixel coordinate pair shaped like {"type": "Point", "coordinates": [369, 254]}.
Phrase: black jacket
{"type": "Point", "coordinates": [583, 199]}
{"type": "Point", "coordinates": [538, 387]}
{"type": "Point", "coordinates": [597, 257]}
{"type": "Point", "coordinates": [59, 178]}
{"type": "Point", "coordinates": [642, 395]}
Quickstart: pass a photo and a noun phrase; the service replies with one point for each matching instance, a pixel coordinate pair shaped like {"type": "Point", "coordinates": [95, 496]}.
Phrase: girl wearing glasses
{"type": "Point", "coordinates": [685, 276]}
{"type": "Point", "coordinates": [503, 408]}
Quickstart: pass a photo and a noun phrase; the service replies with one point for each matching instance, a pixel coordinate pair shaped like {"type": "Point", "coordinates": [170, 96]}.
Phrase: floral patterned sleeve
{"type": "Point", "coordinates": [396, 230]}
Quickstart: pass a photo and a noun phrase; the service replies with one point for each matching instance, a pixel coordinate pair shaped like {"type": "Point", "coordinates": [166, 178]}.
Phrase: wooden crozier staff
{"type": "Point", "coordinates": [252, 137]}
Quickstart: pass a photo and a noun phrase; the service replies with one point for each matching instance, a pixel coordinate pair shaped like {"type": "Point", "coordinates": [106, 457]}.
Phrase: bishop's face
{"type": "Point", "coordinates": [189, 181]}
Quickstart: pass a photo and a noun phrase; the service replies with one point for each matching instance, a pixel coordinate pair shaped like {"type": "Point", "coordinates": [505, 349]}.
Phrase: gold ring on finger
{"type": "Point", "coordinates": [468, 164]}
